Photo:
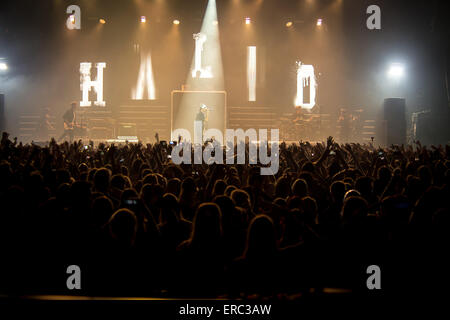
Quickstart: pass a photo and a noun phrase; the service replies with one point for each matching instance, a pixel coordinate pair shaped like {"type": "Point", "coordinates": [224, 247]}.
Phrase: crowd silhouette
{"type": "Point", "coordinates": [136, 224]}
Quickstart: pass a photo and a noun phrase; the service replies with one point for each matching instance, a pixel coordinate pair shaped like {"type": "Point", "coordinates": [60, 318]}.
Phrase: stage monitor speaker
{"type": "Point", "coordinates": [127, 130]}
{"type": "Point", "coordinates": [395, 119]}
{"type": "Point", "coordinates": [186, 105]}
{"type": "Point", "coordinates": [2, 112]}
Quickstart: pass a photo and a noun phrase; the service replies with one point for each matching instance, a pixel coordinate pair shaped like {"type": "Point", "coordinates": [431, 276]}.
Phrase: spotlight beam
{"type": "Point", "coordinates": [211, 57]}
{"type": "Point", "coordinates": [211, 51]}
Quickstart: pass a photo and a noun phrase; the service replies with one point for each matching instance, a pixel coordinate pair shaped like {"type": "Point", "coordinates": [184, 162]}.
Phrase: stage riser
{"type": "Point", "coordinates": [147, 120]}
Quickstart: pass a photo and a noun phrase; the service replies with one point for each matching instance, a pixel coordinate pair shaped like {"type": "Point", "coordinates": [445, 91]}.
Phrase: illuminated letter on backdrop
{"type": "Point", "coordinates": [305, 76]}
{"type": "Point", "coordinates": [86, 84]}
{"type": "Point", "coordinates": [145, 77]}
{"type": "Point", "coordinates": [251, 73]}
{"type": "Point", "coordinates": [200, 39]}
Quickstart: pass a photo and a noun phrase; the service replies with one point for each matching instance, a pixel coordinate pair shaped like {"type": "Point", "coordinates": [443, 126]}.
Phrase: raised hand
{"type": "Point", "coordinates": [330, 142]}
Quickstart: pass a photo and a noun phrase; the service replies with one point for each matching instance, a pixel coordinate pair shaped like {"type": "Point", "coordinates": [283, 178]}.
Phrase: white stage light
{"type": "Point", "coordinates": [289, 24]}
{"type": "Point", "coordinates": [248, 21]}
{"type": "Point", "coordinates": [145, 77]}
{"type": "Point", "coordinates": [176, 22]}
{"type": "Point", "coordinates": [251, 73]}
{"type": "Point", "coordinates": [3, 66]}
{"type": "Point", "coordinates": [319, 22]}
{"type": "Point", "coordinates": [396, 71]}
{"type": "Point", "coordinates": [143, 19]}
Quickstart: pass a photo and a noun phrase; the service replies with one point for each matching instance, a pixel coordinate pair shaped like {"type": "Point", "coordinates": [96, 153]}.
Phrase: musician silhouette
{"type": "Point", "coordinates": [69, 122]}
{"type": "Point", "coordinates": [202, 116]}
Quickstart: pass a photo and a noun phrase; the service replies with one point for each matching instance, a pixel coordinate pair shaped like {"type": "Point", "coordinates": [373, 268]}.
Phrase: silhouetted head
{"type": "Point", "coordinates": [425, 175]}
{"type": "Point", "coordinates": [384, 174]}
{"type": "Point", "coordinates": [150, 179]}
{"type": "Point", "coordinates": [118, 182]}
{"type": "Point", "coordinates": [300, 188]}
{"type": "Point", "coordinates": [225, 204]}
{"type": "Point", "coordinates": [364, 185]}
{"type": "Point", "coordinates": [282, 187]}
{"type": "Point", "coordinates": [351, 193]}
{"type": "Point", "coordinates": [309, 210]}
{"type": "Point", "coordinates": [174, 186]}
{"type": "Point", "coordinates": [82, 167]}
{"type": "Point", "coordinates": [241, 198]}
{"type": "Point", "coordinates": [101, 180]}
{"type": "Point", "coordinates": [170, 209]}
{"type": "Point", "coordinates": [188, 188]}
{"type": "Point", "coordinates": [227, 209]}
{"type": "Point", "coordinates": [337, 191]}
{"type": "Point", "coordinates": [395, 210]}
{"type": "Point", "coordinates": [219, 187]}
{"type": "Point", "coordinates": [261, 241]}
{"type": "Point", "coordinates": [414, 188]}
{"type": "Point", "coordinates": [280, 202]}
{"type": "Point", "coordinates": [229, 189]}
{"type": "Point", "coordinates": [308, 166]}
{"type": "Point", "coordinates": [123, 227]}
{"type": "Point", "coordinates": [129, 193]}
{"type": "Point", "coordinates": [81, 194]}
{"type": "Point", "coordinates": [102, 210]}
{"type": "Point", "coordinates": [354, 210]}
{"type": "Point", "coordinates": [207, 226]}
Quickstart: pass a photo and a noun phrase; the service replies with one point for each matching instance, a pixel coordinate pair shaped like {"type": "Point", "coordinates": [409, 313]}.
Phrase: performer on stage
{"type": "Point", "coordinates": [45, 125]}
{"type": "Point", "coordinates": [202, 116]}
{"type": "Point", "coordinates": [69, 122]}
{"type": "Point", "coordinates": [298, 116]}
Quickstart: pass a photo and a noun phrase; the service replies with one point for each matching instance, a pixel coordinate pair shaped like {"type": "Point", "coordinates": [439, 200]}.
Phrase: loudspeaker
{"type": "Point", "coordinates": [395, 119]}
{"type": "Point", "coordinates": [424, 128]}
{"type": "Point", "coordinates": [127, 130]}
{"type": "Point", "coordinates": [2, 112]}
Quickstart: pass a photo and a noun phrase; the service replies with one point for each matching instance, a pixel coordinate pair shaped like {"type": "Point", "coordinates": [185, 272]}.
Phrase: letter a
{"type": "Point", "coordinates": [373, 21]}
{"type": "Point", "coordinates": [374, 280]}
{"type": "Point", "coordinates": [74, 280]}
{"type": "Point", "coordinates": [74, 20]}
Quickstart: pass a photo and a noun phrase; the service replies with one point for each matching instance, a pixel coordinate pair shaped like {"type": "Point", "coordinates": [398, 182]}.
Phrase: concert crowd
{"type": "Point", "coordinates": [137, 224]}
